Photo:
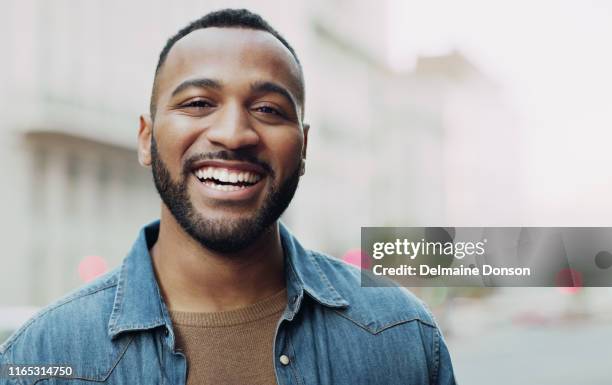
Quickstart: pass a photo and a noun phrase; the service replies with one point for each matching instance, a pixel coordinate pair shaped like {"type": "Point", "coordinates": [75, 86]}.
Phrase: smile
{"type": "Point", "coordinates": [224, 179]}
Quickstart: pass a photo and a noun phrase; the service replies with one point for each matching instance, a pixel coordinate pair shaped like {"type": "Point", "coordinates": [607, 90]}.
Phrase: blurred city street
{"type": "Point", "coordinates": [546, 341]}
{"type": "Point", "coordinates": [548, 355]}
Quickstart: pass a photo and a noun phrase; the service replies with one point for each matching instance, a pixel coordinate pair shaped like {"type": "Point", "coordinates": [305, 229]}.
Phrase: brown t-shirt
{"type": "Point", "coordinates": [230, 347]}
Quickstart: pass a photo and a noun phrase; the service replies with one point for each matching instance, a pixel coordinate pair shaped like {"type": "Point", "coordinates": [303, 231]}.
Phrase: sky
{"type": "Point", "coordinates": [554, 62]}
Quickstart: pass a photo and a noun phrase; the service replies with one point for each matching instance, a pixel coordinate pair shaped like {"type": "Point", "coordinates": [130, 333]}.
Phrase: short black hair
{"type": "Point", "coordinates": [228, 18]}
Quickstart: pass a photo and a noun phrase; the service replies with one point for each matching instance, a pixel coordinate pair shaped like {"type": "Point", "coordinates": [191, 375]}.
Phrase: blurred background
{"type": "Point", "coordinates": [422, 113]}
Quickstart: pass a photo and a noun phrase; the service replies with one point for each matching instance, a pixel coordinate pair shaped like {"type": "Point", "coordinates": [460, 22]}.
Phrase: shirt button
{"type": "Point", "coordinates": [284, 360]}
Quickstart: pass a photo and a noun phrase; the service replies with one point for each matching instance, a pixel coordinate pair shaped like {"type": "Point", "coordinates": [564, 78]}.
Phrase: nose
{"type": "Point", "coordinates": [232, 128]}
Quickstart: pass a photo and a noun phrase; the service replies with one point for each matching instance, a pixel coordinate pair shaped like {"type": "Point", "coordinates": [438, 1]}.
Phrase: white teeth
{"type": "Point", "coordinates": [208, 173]}
{"type": "Point", "coordinates": [226, 175]}
{"type": "Point", "coordinates": [223, 187]}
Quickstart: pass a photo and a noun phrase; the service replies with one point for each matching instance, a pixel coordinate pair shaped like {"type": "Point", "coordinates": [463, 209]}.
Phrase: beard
{"type": "Point", "coordinates": [223, 235]}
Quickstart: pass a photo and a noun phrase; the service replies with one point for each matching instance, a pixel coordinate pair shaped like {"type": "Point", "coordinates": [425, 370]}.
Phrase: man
{"type": "Point", "coordinates": [218, 291]}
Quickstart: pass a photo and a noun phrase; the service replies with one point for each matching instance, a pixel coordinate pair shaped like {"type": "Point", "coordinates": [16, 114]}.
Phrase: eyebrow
{"type": "Point", "coordinates": [270, 87]}
{"type": "Point", "coordinates": [197, 83]}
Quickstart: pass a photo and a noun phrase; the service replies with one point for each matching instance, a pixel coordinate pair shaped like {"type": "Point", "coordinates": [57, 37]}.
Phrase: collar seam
{"type": "Point", "coordinates": [113, 330]}
{"type": "Point", "coordinates": [139, 326]}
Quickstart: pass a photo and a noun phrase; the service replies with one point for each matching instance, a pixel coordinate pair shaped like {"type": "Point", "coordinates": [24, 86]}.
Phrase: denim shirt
{"type": "Point", "coordinates": [116, 330]}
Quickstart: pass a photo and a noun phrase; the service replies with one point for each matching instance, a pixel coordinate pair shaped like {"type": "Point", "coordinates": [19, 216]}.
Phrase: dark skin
{"type": "Point", "coordinates": [224, 89]}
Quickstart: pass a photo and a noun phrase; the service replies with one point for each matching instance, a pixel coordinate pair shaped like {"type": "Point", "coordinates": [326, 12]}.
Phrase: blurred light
{"type": "Point", "coordinates": [569, 281]}
{"type": "Point", "coordinates": [354, 257]}
{"type": "Point", "coordinates": [92, 267]}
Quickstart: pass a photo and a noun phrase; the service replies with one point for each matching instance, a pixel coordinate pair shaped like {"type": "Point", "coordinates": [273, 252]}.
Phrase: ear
{"type": "Point", "coordinates": [306, 128]}
{"type": "Point", "coordinates": [145, 133]}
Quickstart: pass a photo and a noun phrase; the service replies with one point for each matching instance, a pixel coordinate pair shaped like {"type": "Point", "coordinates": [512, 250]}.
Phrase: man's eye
{"type": "Point", "coordinates": [268, 110]}
{"type": "Point", "coordinates": [197, 104]}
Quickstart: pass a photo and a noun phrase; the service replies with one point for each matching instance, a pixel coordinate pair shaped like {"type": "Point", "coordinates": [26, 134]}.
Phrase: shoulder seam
{"type": "Point", "coordinates": [45, 311]}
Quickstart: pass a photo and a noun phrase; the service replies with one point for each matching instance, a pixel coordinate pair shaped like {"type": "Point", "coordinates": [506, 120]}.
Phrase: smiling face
{"type": "Point", "coordinates": [226, 143]}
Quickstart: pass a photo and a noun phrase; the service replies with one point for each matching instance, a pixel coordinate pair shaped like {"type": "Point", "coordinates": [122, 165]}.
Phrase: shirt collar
{"type": "Point", "coordinates": [138, 303]}
{"type": "Point", "coordinates": [303, 273]}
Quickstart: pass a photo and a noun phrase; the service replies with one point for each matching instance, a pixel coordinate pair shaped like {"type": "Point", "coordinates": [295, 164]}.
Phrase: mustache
{"type": "Point", "coordinates": [225, 155]}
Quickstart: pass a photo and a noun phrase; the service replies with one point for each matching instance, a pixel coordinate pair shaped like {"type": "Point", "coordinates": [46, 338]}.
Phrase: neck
{"type": "Point", "coordinates": [193, 278]}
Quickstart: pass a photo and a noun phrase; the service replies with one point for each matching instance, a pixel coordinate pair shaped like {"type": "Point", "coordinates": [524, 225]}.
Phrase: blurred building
{"type": "Point", "coordinates": [385, 148]}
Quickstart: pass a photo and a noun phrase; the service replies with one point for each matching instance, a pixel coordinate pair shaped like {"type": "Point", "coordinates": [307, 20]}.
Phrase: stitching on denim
{"type": "Point", "coordinates": [118, 359]}
{"type": "Point", "coordinates": [165, 317]}
{"type": "Point", "coordinates": [300, 285]}
{"type": "Point", "coordinates": [140, 326]}
{"type": "Point", "coordinates": [118, 303]}
{"type": "Point", "coordinates": [294, 367]}
{"type": "Point", "coordinates": [162, 350]}
{"type": "Point", "coordinates": [436, 353]}
{"type": "Point", "coordinates": [372, 330]}
{"type": "Point", "coordinates": [419, 320]}
{"type": "Point", "coordinates": [429, 314]}
{"type": "Point", "coordinates": [104, 378]}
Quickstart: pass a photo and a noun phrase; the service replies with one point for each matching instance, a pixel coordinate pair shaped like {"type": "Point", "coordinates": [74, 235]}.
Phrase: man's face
{"type": "Point", "coordinates": [227, 140]}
